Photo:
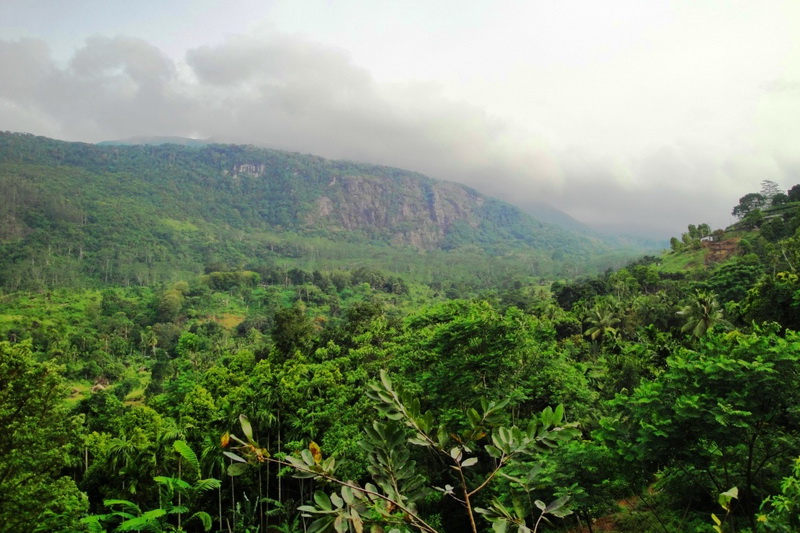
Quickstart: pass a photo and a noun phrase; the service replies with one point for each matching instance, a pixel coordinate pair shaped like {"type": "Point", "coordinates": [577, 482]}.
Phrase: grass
{"type": "Point", "coordinates": [683, 261]}
{"type": "Point", "coordinates": [79, 391]}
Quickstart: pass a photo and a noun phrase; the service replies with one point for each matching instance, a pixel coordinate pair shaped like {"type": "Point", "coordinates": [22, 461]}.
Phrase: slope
{"type": "Point", "coordinates": [139, 213]}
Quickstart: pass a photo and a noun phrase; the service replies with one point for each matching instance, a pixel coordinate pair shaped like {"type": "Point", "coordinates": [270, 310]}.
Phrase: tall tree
{"type": "Point", "coordinates": [770, 189]}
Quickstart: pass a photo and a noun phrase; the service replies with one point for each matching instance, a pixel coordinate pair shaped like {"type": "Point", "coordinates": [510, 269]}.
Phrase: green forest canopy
{"type": "Point", "coordinates": [240, 399]}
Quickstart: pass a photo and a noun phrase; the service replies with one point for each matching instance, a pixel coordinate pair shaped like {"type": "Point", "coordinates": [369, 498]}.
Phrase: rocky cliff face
{"type": "Point", "coordinates": [406, 211]}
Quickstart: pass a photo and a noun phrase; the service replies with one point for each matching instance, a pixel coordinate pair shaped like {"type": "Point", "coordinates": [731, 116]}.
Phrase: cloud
{"type": "Point", "coordinates": [291, 93]}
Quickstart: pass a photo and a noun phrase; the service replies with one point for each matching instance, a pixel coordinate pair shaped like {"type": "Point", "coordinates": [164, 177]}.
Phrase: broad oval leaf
{"type": "Point", "coordinates": [322, 500]}
{"type": "Point", "coordinates": [472, 461]}
{"type": "Point", "coordinates": [347, 495]}
{"type": "Point", "coordinates": [247, 428]}
{"type": "Point", "coordinates": [355, 518]}
{"type": "Point", "coordinates": [556, 504]}
{"type": "Point", "coordinates": [337, 501]}
{"type": "Point", "coordinates": [234, 457]}
{"type": "Point", "coordinates": [236, 469]}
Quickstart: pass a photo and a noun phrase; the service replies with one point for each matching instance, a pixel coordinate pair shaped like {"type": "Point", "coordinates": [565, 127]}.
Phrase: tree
{"type": "Point", "coordinates": [602, 320]}
{"type": "Point", "coordinates": [702, 314]}
{"type": "Point", "coordinates": [38, 437]}
{"type": "Point", "coordinates": [770, 189]}
{"type": "Point", "coordinates": [779, 199]}
{"type": "Point", "coordinates": [721, 416]}
{"type": "Point", "coordinates": [794, 193]}
{"type": "Point", "coordinates": [293, 330]}
{"type": "Point", "coordinates": [186, 487]}
{"type": "Point", "coordinates": [478, 451]}
{"type": "Point", "coordinates": [748, 203]}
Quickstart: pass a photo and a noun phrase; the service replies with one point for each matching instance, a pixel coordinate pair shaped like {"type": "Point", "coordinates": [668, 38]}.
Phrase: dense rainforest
{"type": "Point", "coordinates": [73, 214]}
{"type": "Point", "coordinates": [277, 396]}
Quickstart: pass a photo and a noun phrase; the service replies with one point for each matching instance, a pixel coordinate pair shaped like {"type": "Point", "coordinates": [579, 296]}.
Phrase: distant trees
{"type": "Point", "coordinates": [794, 193]}
{"type": "Point", "coordinates": [770, 189]}
{"type": "Point", "coordinates": [749, 203]}
{"type": "Point", "coordinates": [691, 238]}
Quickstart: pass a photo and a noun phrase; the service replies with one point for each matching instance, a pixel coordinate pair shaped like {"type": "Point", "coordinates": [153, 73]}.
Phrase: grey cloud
{"type": "Point", "coordinates": [139, 60]}
{"type": "Point", "coordinates": [26, 66]}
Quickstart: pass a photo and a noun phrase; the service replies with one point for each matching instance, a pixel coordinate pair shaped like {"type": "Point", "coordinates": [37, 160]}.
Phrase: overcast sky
{"type": "Point", "coordinates": [641, 116]}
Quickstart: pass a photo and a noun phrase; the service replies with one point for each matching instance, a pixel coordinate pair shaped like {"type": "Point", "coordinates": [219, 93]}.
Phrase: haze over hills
{"type": "Point", "coordinates": [125, 212]}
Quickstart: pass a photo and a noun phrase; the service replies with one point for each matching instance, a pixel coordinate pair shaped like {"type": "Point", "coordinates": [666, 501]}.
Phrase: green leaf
{"type": "Point", "coordinates": [125, 504]}
{"type": "Point", "coordinates": [320, 524]}
{"type": "Point", "coordinates": [493, 451]}
{"type": "Point", "coordinates": [500, 526]}
{"type": "Point", "coordinates": [558, 415]}
{"type": "Point", "coordinates": [236, 469]}
{"type": "Point", "coordinates": [172, 482]}
{"type": "Point", "coordinates": [187, 453]}
{"type": "Point", "coordinates": [347, 495]}
{"type": "Point", "coordinates": [385, 380]}
{"type": "Point", "coordinates": [308, 457]}
{"type": "Point", "coordinates": [340, 524]}
{"type": "Point", "coordinates": [208, 484]}
{"type": "Point", "coordinates": [93, 524]}
{"type": "Point", "coordinates": [204, 518]}
{"type": "Point", "coordinates": [455, 453]}
{"type": "Point", "coordinates": [474, 417]}
{"type": "Point", "coordinates": [554, 506]}
{"type": "Point", "coordinates": [337, 501]}
{"type": "Point", "coordinates": [247, 429]}
{"type": "Point", "coordinates": [322, 500]}
{"type": "Point", "coordinates": [472, 461]}
{"type": "Point", "coordinates": [141, 522]}
{"type": "Point", "coordinates": [234, 457]}
{"type": "Point", "coordinates": [726, 497]}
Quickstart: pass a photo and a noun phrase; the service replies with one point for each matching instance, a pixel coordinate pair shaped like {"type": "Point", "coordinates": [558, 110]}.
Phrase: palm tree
{"type": "Point", "coordinates": [602, 320]}
{"type": "Point", "coordinates": [702, 313]}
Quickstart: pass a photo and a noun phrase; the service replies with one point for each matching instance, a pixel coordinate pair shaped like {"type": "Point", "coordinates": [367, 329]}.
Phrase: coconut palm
{"type": "Point", "coordinates": [702, 313]}
{"type": "Point", "coordinates": [602, 320]}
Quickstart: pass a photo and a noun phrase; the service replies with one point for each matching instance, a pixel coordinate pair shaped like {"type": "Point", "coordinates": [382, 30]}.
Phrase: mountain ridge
{"type": "Point", "coordinates": [100, 197]}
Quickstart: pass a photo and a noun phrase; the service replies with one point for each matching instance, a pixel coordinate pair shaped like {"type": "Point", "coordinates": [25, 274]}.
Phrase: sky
{"type": "Point", "coordinates": [631, 116]}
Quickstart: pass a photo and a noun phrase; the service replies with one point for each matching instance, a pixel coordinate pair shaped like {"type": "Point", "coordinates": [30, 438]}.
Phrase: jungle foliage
{"type": "Point", "coordinates": [276, 398]}
{"type": "Point", "coordinates": [81, 215]}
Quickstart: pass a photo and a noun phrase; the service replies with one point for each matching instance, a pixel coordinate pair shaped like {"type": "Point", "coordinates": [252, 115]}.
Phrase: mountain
{"type": "Point", "coordinates": [142, 213]}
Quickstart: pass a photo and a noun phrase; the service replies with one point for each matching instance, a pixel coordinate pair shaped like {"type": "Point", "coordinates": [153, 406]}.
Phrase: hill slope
{"type": "Point", "coordinates": [102, 210]}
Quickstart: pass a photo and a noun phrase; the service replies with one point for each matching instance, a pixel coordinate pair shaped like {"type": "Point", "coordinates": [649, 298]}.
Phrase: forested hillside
{"type": "Point", "coordinates": [80, 214]}
{"type": "Point", "coordinates": [222, 392]}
